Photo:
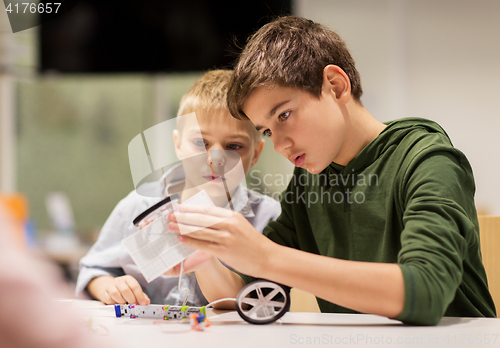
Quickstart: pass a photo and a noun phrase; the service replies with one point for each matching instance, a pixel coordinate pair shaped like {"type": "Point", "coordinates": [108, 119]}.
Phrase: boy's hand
{"type": "Point", "coordinates": [119, 290]}
{"type": "Point", "coordinates": [194, 262]}
{"type": "Point", "coordinates": [233, 240]}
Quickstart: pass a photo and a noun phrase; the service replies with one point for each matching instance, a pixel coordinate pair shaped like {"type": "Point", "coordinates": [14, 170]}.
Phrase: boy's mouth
{"type": "Point", "coordinates": [215, 177]}
{"type": "Point", "coordinates": [299, 160]}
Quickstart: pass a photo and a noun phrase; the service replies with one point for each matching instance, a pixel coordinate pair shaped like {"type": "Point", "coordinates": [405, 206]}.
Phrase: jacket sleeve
{"type": "Point", "coordinates": [105, 255]}
{"type": "Point", "coordinates": [437, 199]}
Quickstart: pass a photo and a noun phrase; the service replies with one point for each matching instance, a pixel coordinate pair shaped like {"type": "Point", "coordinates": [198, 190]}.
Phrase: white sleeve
{"type": "Point", "coordinates": [104, 258]}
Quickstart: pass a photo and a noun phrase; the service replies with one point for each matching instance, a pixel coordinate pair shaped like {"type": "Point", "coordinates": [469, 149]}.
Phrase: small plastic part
{"type": "Point", "coordinates": [118, 311]}
{"type": "Point", "coordinates": [198, 322]}
{"type": "Point", "coordinates": [268, 302]}
{"type": "Point", "coordinates": [148, 211]}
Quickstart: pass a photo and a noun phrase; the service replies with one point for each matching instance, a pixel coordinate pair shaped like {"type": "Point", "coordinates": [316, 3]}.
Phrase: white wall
{"type": "Point", "coordinates": [7, 123]}
{"type": "Point", "coordinates": [437, 59]}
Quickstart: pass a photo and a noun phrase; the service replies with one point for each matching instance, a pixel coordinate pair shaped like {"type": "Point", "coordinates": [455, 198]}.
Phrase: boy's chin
{"type": "Point", "coordinates": [312, 170]}
{"type": "Point", "coordinates": [220, 201]}
{"type": "Point", "coordinates": [218, 196]}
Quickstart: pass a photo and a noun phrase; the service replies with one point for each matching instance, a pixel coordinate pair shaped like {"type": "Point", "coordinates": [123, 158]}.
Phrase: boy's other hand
{"type": "Point", "coordinates": [119, 290]}
{"type": "Point", "coordinates": [230, 237]}
{"type": "Point", "coordinates": [194, 262]}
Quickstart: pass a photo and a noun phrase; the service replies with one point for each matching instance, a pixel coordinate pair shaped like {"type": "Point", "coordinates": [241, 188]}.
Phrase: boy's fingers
{"type": "Point", "coordinates": [206, 210]}
{"type": "Point", "coordinates": [115, 295]}
{"type": "Point", "coordinates": [135, 287]}
{"type": "Point", "coordinates": [206, 234]}
{"type": "Point", "coordinates": [126, 292]}
{"type": "Point", "coordinates": [196, 261]}
{"type": "Point", "coordinates": [172, 226]}
{"type": "Point", "coordinates": [207, 247]}
{"type": "Point", "coordinates": [188, 267]}
{"type": "Point", "coordinates": [107, 299]}
{"type": "Point", "coordinates": [199, 219]}
{"type": "Point", "coordinates": [174, 271]}
{"type": "Point", "coordinates": [171, 272]}
{"type": "Point", "coordinates": [171, 217]}
{"type": "Point", "coordinates": [188, 229]}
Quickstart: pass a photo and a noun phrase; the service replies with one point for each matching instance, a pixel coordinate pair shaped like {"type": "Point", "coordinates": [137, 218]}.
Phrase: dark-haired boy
{"type": "Point", "coordinates": [404, 244]}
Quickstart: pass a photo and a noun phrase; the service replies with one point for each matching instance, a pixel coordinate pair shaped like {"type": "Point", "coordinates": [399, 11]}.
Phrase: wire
{"type": "Point", "coordinates": [181, 289]}
{"type": "Point", "coordinates": [220, 300]}
{"type": "Point", "coordinates": [179, 285]}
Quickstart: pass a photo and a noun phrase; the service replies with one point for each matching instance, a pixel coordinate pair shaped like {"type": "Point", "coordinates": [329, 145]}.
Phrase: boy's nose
{"type": "Point", "coordinates": [281, 143]}
{"type": "Point", "coordinates": [217, 157]}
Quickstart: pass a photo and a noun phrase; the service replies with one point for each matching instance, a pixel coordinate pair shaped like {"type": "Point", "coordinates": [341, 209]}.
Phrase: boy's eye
{"type": "Point", "coordinates": [234, 147]}
{"type": "Point", "coordinates": [200, 143]}
{"type": "Point", "coordinates": [281, 118]}
{"type": "Point", "coordinates": [284, 116]}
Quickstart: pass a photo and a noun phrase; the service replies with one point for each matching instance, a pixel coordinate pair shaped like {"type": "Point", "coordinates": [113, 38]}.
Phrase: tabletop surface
{"type": "Point", "coordinates": [294, 329]}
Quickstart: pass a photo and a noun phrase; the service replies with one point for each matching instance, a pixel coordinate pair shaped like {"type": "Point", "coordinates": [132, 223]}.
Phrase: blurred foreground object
{"type": "Point", "coordinates": [27, 290]}
{"type": "Point", "coordinates": [16, 208]}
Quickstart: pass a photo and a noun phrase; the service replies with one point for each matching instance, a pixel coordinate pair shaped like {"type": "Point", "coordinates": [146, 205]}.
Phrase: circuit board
{"type": "Point", "coordinates": [165, 312]}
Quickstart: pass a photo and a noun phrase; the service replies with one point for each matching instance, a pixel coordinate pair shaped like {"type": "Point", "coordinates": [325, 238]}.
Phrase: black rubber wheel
{"type": "Point", "coordinates": [268, 302]}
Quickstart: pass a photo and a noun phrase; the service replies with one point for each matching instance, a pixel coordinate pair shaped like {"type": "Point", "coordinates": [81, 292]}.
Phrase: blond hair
{"type": "Point", "coordinates": [208, 94]}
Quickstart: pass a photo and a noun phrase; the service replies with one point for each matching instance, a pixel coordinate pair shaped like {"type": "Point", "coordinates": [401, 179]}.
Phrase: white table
{"type": "Point", "coordinates": [293, 330]}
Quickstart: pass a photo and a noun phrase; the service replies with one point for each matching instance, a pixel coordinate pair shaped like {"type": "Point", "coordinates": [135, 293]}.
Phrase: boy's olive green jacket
{"type": "Point", "coordinates": [406, 198]}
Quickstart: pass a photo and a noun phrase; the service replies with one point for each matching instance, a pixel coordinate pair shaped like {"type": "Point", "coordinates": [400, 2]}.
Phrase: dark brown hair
{"type": "Point", "coordinates": [289, 52]}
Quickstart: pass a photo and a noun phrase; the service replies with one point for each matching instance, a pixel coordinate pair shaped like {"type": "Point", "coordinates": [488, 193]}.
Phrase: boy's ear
{"type": "Point", "coordinates": [259, 146]}
{"type": "Point", "coordinates": [337, 83]}
{"type": "Point", "coordinates": [177, 144]}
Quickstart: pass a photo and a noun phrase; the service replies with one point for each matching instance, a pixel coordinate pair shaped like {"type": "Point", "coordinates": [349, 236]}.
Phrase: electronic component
{"type": "Point", "coordinates": [165, 312]}
{"type": "Point", "coordinates": [259, 302]}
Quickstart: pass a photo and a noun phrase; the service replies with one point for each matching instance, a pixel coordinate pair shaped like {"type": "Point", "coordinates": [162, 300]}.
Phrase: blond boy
{"type": "Point", "coordinates": [107, 272]}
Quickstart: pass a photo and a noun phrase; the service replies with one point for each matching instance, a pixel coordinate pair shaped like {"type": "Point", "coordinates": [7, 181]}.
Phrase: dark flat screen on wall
{"type": "Point", "coordinates": [109, 36]}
